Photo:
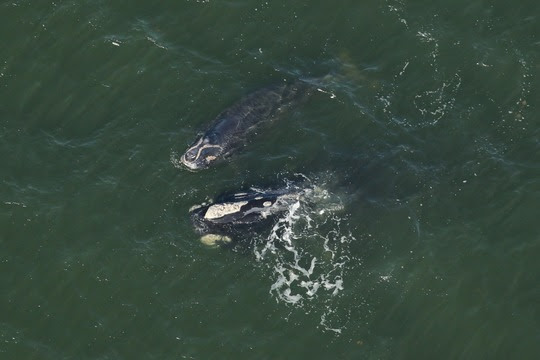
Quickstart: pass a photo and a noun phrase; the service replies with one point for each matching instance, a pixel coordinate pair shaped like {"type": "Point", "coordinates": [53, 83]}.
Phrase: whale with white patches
{"type": "Point", "coordinates": [237, 212]}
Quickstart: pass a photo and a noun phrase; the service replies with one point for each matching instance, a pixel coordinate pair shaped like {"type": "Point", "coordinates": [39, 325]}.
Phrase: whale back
{"type": "Point", "coordinates": [235, 125]}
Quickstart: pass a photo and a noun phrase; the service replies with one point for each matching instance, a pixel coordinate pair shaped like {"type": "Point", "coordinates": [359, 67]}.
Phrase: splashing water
{"type": "Point", "coordinates": [307, 253]}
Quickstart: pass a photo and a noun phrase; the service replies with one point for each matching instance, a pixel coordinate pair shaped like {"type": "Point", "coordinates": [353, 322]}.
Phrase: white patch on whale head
{"type": "Point", "coordinates": [213, 240]}
{"type": "Point", "coordinates": [219, 210]}
{"type": "Point", "coordinates": [190, 160]}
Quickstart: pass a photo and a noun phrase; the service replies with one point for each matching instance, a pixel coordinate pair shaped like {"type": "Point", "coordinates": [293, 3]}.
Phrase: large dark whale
{"type": "Point", "coordinates": [233, 126]}
{"type": "Point", "coordinates": [233, 213]}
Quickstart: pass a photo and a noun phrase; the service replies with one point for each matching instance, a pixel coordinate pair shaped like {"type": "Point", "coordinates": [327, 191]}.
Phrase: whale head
{"type": "Point", "coordinates": [201, 154]}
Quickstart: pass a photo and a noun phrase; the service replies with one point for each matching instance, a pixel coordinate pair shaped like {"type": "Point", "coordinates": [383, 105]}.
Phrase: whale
{"type": "Point", "coordinates": [241, 212]}
{"type": "Point", "coordinates": [236, 125]}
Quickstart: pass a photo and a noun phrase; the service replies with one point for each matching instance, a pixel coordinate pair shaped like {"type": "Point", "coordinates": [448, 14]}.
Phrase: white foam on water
{"type": "Point", "coordinates": [307, 254]}
{"type": "Point", "coordinates": [397, 7]}
{"type": "Point", "coordinates": [434, 104]}
{"type": "Point", "coordinates": [175, 160]}
{"type": "Point", "coordinates": [14, 203]}
{"type": "Point", "coordinates": [515, 115]}
{"type": "Point", "coordinates": [436, 100]}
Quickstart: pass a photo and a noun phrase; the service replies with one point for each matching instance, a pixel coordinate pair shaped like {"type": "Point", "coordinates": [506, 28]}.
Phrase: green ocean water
{"type": "Point", "coordinates": [425, 139]}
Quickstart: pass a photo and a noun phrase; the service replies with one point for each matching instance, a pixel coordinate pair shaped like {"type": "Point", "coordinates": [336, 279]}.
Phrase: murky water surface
{"type": "Point", "coordinates": [420, 238]}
